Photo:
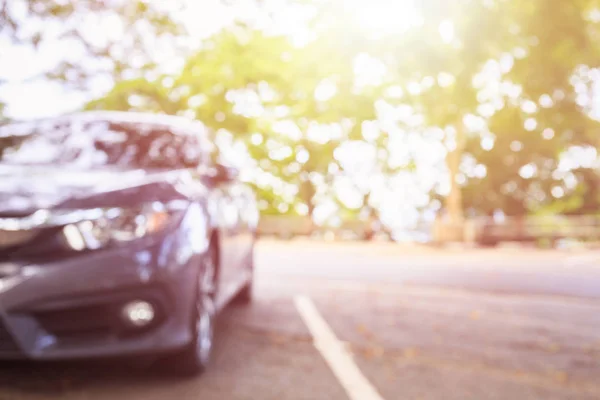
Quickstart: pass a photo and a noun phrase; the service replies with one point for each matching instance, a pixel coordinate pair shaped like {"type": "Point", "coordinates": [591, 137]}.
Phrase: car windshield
{"type": "Point", "coordinates": [92, 144]}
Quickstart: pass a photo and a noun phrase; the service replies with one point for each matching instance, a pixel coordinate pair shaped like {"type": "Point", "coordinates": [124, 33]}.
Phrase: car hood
{"type": "Point", "coordinates": [24, 190]}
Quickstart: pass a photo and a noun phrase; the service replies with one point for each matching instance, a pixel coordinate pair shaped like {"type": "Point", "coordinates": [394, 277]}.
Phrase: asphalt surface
{"type": "Point", "coordinates": [419, 323]}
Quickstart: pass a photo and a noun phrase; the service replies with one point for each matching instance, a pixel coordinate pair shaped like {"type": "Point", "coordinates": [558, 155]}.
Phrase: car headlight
{"type": "Point", "coordinates": [118, 225]}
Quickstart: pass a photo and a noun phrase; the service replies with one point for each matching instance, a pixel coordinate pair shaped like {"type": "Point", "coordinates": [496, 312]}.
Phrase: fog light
{"type": "Point", "coordinates": [138, 313]}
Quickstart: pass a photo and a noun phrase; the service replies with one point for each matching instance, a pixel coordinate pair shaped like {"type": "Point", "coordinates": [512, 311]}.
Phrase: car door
{"type": "Point", "coordinates": [245, 201]}
{"type": "Point", "coordinates": [226, 217]}
{"type": "Point", "coordinates": [223, 215]}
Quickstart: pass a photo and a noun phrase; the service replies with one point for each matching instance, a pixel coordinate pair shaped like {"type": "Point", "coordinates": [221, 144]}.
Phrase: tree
{"type": "Point", "coordinates": [106, 41]}
{"type": "Point", "coordinates": [548, 114]}
{"type": "Point", "coordinates": [435, 61]}
{"type": "Point", "coordinates": [469, 67]}
{"type": "Point", "coordinates": [290, 106]}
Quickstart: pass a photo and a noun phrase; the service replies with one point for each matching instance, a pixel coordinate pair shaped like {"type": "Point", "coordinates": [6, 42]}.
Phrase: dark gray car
{"type": "Point", "coordinates": [119, 235]}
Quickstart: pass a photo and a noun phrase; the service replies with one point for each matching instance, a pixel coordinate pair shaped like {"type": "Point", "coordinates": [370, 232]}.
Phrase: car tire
{"type": "Point", "coordinates": [245, 294]}
{"type": "Point", "coordinates": [194, 358]}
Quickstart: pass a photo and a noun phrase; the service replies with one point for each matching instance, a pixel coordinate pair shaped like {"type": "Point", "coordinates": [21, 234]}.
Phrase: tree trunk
{"type": "Point", "coordinates": [307, 193]}
{"type": "Point", "coordinates": [454, 201]}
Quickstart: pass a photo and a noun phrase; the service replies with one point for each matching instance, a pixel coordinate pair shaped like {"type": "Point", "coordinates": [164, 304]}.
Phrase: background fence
{"type": "Point", "coordinates": [484, 231]}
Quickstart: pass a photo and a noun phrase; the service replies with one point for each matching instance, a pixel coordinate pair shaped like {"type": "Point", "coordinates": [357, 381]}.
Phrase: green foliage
{"type": "Point", "coordinates": [279, 78]}
{"type": "Point", "coordinates": [556, 46]}
{"type": "Point", "coordinates": [88, 26]}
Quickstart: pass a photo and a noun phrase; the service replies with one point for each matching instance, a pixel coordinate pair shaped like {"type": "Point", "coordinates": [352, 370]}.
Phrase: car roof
{"type": "Point", "coordinates": [183, 125]}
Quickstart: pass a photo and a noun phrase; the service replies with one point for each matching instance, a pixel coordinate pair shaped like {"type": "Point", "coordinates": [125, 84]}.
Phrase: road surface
{"type": "Point", "coordinates": [412, 323]}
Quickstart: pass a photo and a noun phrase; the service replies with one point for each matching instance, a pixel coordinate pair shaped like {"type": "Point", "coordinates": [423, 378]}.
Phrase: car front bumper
{"type": "Point", "coordinates": [73, 308]}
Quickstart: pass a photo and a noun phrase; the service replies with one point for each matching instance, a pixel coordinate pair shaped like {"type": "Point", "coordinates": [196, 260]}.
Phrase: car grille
{"type": "Point", "coordinates": [7, 343]}
{"type": "Point", "coordinates": [97, 320]}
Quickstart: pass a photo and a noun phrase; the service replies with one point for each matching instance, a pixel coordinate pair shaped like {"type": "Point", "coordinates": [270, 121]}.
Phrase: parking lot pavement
{"type": "Point", "coordinates": [251, 362]}
{"type": "Point", "coordinates": [436, 344]}
{"type": "Point", "coordinates": [409, 341]}
{"type": "Point", "coordinates": [508, 271]}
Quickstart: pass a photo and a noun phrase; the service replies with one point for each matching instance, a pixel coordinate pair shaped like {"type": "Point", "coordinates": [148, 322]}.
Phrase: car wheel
{"type": "Point", "coordinates": [194, 358]}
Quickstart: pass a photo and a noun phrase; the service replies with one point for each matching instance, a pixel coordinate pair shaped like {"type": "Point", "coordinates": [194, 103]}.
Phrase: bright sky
{"type": "Point", "coordinates": [28, 97]}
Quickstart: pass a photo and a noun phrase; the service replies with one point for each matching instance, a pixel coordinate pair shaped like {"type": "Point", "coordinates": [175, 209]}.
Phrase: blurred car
{"type": "Point", "coordinates": [119, 235]}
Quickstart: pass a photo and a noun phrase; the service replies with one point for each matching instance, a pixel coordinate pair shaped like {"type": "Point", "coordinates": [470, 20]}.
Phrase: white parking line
{"type": "Point", "coordinates": [335, 353]}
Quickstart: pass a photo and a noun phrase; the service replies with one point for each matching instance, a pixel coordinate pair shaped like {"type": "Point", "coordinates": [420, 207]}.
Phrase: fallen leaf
{"type": "Point", "coordinates": [560, 376]}
{"type": "Point", "coordinates": [378, 351]}
{"type": "Point", "coordinates": [551, 347]}
{"type": "Point", "coordinates": [363, 330]}
{"type": "Point", "coordinates": [475, 315]}
{"type": "Point", "coordinates": [277, 339]}
{"type": "Point", "coordinates": [410, 352]}
{"type": "Point", "coordinates": [373, 352]}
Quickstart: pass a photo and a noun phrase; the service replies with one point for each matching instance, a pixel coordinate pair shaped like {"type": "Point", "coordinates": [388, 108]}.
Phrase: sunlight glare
{"type": "Point", "coordinates": [385, 17]}
{"type": "Point", "coordinates": [446, 29]}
